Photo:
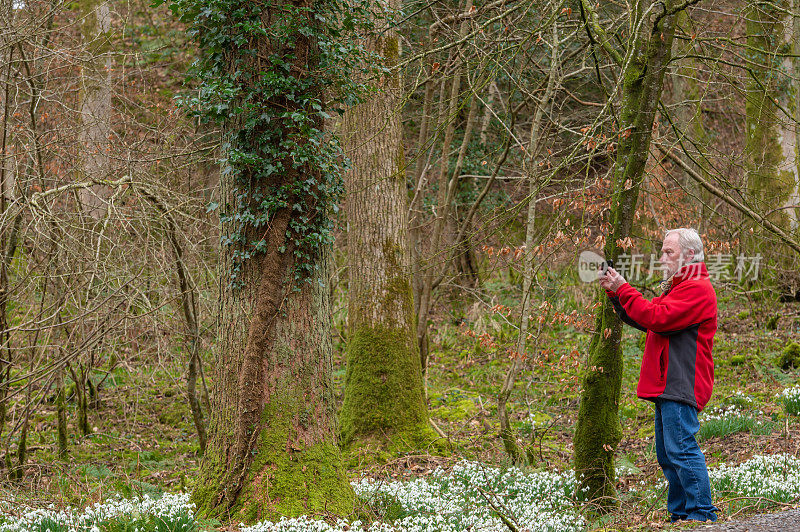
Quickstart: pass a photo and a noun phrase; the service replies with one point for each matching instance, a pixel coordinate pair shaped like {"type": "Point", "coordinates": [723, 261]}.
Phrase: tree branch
{"type": "Point", "coordinates": [721, 194]}
{"type": "Point", "coordinates": [676, 9]}
{"type": "Point", "coordinates": [593, 21]}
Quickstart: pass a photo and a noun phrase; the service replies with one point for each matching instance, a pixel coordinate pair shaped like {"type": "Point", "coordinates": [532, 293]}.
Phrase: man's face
{"type": "Point", "coordinates": [671, 256]}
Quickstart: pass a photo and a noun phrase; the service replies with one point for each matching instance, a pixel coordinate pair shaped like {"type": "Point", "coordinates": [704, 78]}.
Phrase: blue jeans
{"type": "Point", "coordinates": [689, 495]}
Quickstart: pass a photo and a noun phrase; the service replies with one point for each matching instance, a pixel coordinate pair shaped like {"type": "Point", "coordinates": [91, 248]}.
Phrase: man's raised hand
{"type": "Point", "coordinates": [611, 280]}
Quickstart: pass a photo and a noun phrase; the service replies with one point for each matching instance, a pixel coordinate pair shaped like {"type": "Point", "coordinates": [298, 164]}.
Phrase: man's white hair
{"type": "Point", "coordinates": [688, 239]}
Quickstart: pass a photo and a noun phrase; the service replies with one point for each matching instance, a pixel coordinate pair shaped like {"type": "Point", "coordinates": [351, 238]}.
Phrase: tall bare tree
{"type": "Point", "coordinates": [6, 186]}
{"type": "Point", "coordinates": [535, 144]}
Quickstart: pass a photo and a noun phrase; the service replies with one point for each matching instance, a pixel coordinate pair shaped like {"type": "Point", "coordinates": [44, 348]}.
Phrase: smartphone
{"type": "Point", "coordinates": [608, 263]}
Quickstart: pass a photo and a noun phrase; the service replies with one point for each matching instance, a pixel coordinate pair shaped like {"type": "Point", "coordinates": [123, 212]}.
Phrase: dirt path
{"type": "Point", "coordinates": [787, 521]}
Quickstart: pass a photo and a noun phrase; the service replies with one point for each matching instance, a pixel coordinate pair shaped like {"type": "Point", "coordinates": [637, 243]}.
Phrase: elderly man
{"type": "Point", "coordinates": [677, 371]}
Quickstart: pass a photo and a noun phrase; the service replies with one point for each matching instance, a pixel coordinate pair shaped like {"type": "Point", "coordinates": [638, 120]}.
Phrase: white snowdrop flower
{"type": "Point", "coordinates": [776, 476]}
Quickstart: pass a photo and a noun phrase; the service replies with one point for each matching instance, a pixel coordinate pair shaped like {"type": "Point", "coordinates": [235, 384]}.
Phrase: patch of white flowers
{"type": "Point", "coordinates": [740, 398]}
{"type": "Point", "coordinates": [775, 477]}
{"type": "Point", "coordinates": [790, 397]}
{"type": "Point", "coordinates": [470, 497]}
{"type": "Point", "coordinates": [172, 512]}
{"type": "Point", "coordinates": [726, 413]}
{"type": "Point", "coordinates": [306, 524]}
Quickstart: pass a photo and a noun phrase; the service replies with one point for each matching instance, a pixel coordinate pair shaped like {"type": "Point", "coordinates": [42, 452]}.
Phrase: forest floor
{"type": "Point", "coordinates": [142, 441]}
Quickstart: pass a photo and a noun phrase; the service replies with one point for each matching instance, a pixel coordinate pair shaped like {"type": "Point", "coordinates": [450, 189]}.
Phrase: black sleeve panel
{"type": "Point", "coordinates": [624, 315]}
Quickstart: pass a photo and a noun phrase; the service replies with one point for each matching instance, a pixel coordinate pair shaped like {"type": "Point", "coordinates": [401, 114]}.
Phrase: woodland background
{"type": "Point", "coordinates": [492, 144]}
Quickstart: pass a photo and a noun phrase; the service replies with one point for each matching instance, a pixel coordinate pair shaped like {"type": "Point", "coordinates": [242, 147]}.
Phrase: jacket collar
{"type": "Point", "coordinates": [690, 272]}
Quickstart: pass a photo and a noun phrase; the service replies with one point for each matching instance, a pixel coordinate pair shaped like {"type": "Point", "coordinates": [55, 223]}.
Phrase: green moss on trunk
{"type": "Point", "coordinates": [767, 184]}
{"type": "Point", "coordinates": [284, 477]}
{"type": "Point", "coordinates": [384, 404]}
{"type": "Point", "coordinates": [598, 431]}
{"type": "Point", "coordinates": [287, 478]}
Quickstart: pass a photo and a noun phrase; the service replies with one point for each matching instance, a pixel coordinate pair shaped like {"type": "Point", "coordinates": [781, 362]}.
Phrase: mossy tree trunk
{"type": "Point", "coordinates": [794, 194]}
{"type": "Point", "coordinates": [771, 143]}
{"type": "Point", "coordinates": [61, 414]}
{"type": "Point", "coordinates": [18, 473]}
{"type": "Point", "coordinates": [598, 430]}
{"type": "Point", "coordinates": [384, 398]}
{"type": "Point", "coordinates": [272, 447]}
{"type": "Point", "coordinates": [81, 394]}
{"type": "Point", "coordinates": [771, 150]}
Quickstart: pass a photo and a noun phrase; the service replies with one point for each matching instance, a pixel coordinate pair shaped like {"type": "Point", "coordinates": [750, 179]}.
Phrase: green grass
{"type": "Point", "coordinates": [736, 414]}
{"type": "Point", "coordinates": [719, 428]}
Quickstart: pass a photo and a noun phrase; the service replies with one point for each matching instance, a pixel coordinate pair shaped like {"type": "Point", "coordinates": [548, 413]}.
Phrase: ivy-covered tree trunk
{"type": "Point", "coordinates": [771, 148]}
{"type": "Point", "coordinates": [598, 430]}
{"type": "Point", "coordinates": [272, 447]}
{"type": "Point", "coordinates": [384, 400]}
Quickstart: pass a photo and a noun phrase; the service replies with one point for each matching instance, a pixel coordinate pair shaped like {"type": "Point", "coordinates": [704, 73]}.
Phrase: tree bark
{"type": "Point", "coordinates": [598, 431]}
{"type": "Point", "coordinates": [61, 413]}
{"type": "Point", "coordinates": [22, 445]}
{"type": "Point", "coordinates": [272, 447]}
{"type": "Point", "coordinates": [487, 113]}
{"type": "Point", "coordinates": [794, 194]}
{"type": "Point", "coordinates": [771, 151]}
{"type": "Point", "coordinates": [6, 186]}
{"type": "Point", "coordinates": [384, 399]}
{"type": "Point", "coordinates": [95, 106]}
{"type": "Point", "coordinates": [464, 261]}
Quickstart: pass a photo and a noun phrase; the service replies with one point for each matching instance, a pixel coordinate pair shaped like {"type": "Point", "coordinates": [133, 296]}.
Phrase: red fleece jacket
{"type": "Point", "coordinates": [680, 324]}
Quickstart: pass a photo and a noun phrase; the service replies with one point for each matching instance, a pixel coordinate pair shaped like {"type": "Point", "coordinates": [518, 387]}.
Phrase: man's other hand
{"type": "Point", "coordinates": [611, 280]}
